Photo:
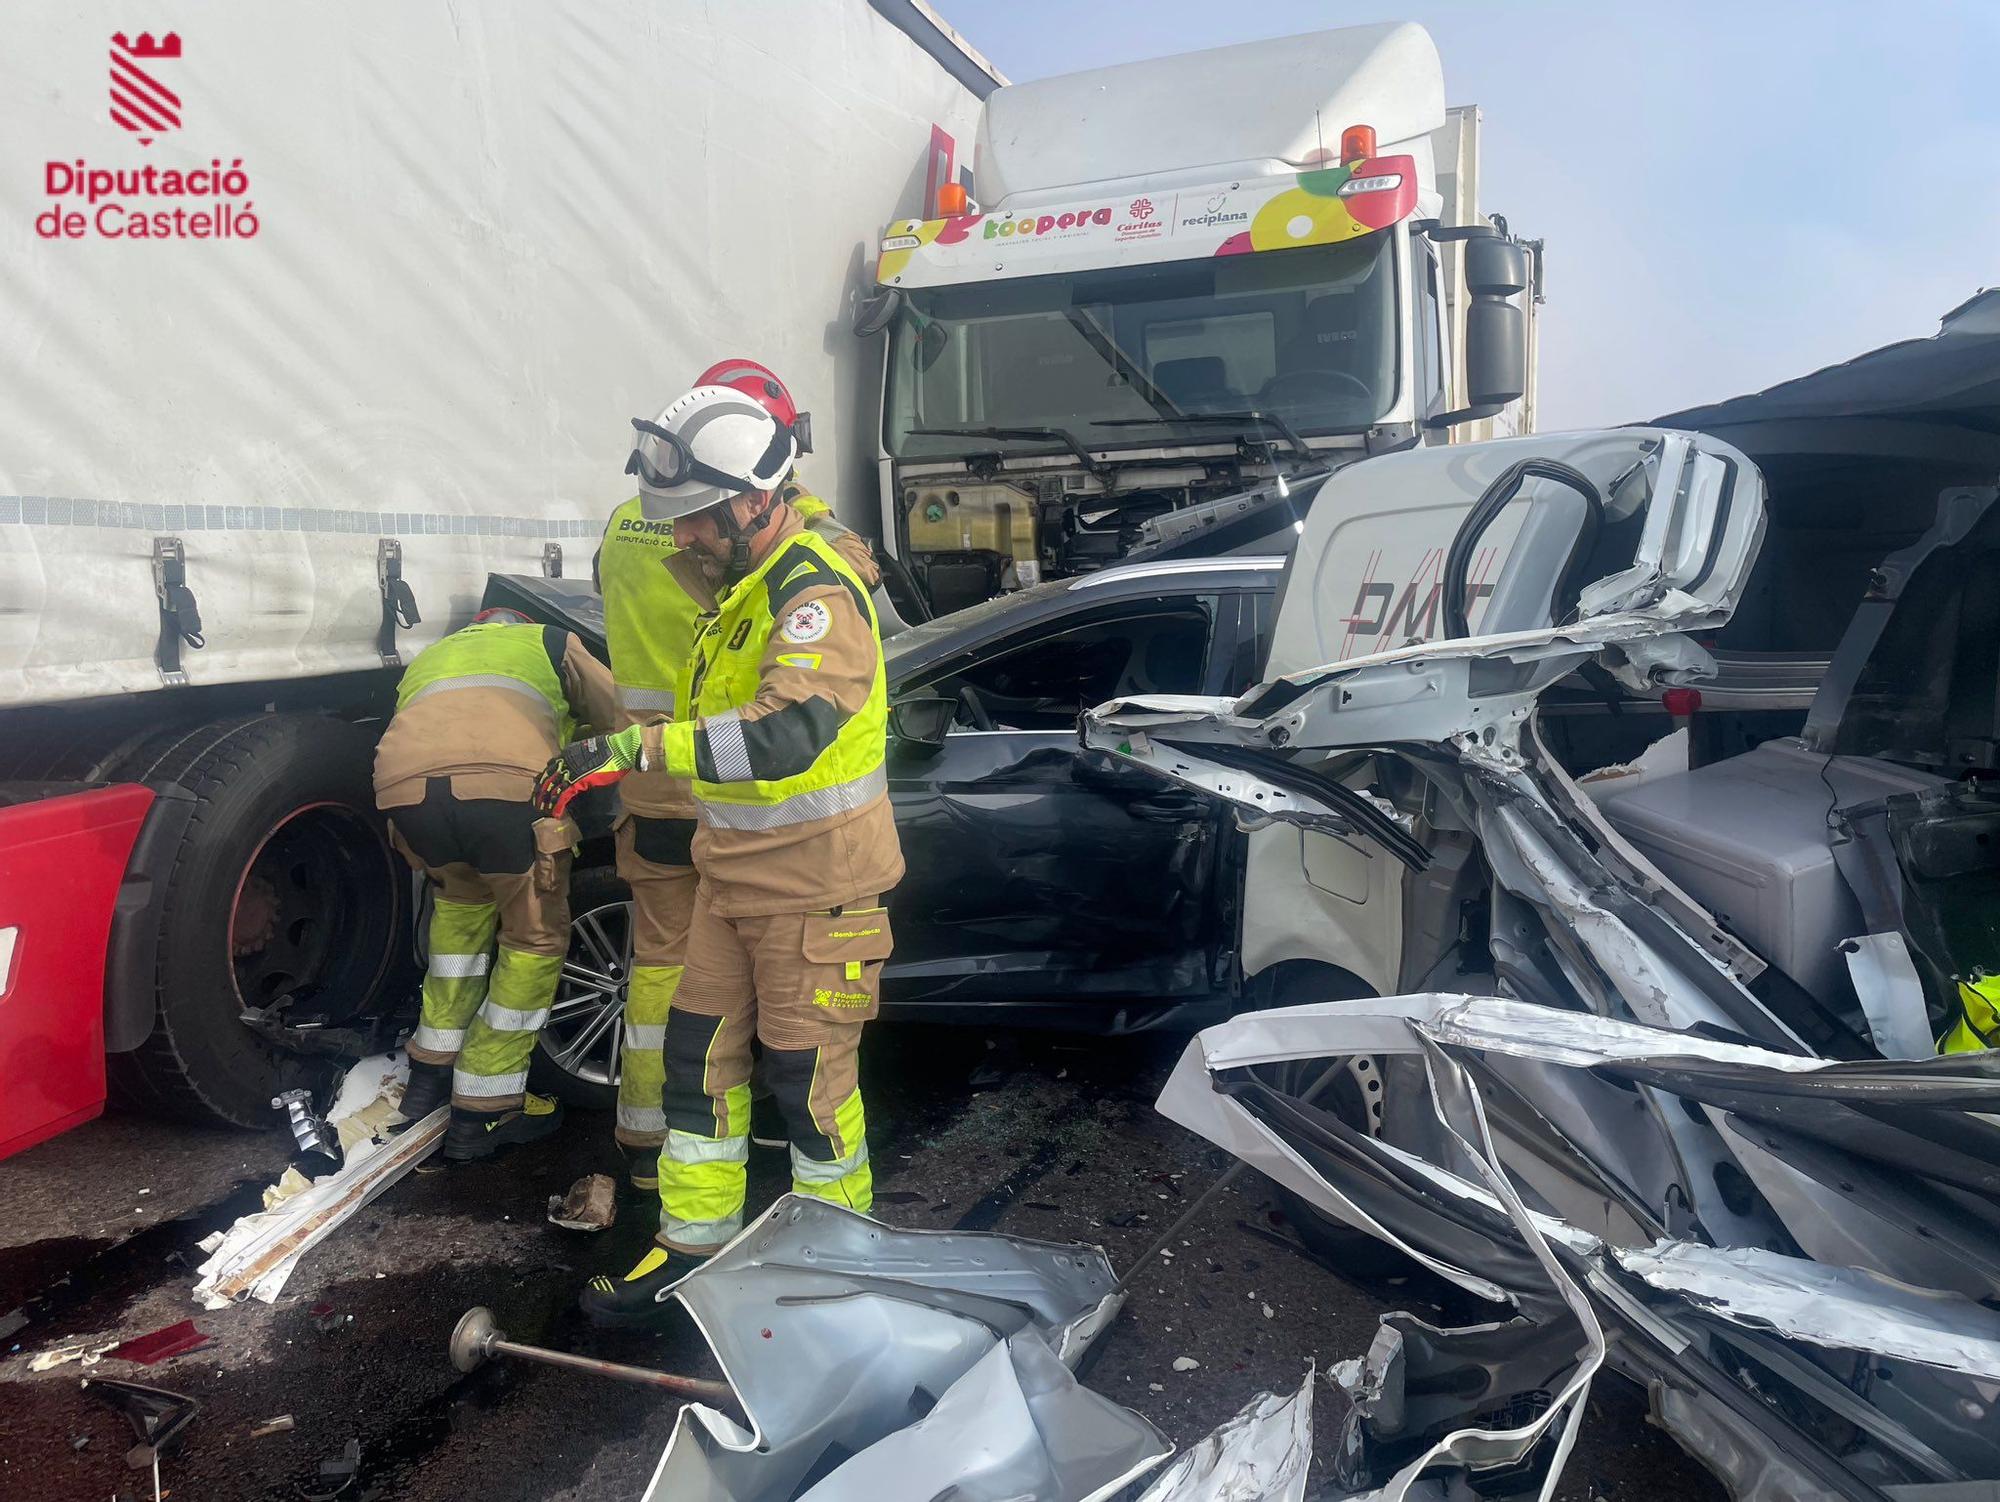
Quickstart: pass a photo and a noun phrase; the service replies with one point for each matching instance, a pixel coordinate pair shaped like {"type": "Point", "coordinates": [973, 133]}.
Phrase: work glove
{"type": "Point", "coordinates": [581, 765]}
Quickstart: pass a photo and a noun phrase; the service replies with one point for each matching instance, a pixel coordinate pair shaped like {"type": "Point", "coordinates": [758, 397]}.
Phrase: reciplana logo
{"type": "Point", "coordinates": [139, 101]}
{"type": "Point", "coordinates": [126, 202]}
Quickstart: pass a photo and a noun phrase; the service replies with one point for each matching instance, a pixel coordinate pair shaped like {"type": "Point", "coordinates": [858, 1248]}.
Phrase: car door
{"type": "Point", "coordinates": [1039, 878]}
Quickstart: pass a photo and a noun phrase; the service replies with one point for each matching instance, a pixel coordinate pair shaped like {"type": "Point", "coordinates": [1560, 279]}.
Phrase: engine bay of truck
{"type": "Point", "coordinates": [970, 537]}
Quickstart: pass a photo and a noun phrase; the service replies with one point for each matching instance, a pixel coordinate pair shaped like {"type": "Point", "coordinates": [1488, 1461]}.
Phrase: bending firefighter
{"type": "Point", "coordinates": [477, 714]}
{"type": "Point", "coordinates": [650, 624]}
{"type": "Point", "coordinates": [782, 737]}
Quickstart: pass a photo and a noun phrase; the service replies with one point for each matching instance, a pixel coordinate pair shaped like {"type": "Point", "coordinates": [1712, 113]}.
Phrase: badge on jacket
{"type": "Point", "coordinates": [807, 622]}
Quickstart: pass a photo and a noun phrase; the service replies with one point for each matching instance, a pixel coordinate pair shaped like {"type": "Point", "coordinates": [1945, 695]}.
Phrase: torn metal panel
{"type": "Point", "coordinates": [1828, 1306]}
{"type": "Point", "coordinates": [255, 1257]}
{"type": "Point", "coordinates": [1792, 1377]}
{"type": "Point", "coordinates": [1891, 994]}
{"type": "Point", "coordinates": [1262, 1454]}
{"type": "Point", "coordinates": [838, 1332]}
{"type": "Point", "coordinates": [1018, 1424]}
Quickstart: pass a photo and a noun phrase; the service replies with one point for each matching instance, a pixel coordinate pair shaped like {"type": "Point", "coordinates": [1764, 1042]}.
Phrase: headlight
{"type": "Point", "coordinates": [1378, 184]}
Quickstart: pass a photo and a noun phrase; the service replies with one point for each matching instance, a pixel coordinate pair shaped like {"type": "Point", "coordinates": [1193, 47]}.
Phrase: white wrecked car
{"type": "Point", "coordinates": [1655, 1064]}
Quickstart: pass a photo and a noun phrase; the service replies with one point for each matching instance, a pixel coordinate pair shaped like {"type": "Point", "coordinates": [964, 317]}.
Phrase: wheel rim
{"type": "Point", "coordinates": [586, 1028]}
{"type": "Point", "coordinates": [309, 925]}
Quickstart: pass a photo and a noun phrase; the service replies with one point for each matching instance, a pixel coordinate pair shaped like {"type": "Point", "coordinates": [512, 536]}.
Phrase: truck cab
{"type": "Point", "coordinates": [1187, 281]}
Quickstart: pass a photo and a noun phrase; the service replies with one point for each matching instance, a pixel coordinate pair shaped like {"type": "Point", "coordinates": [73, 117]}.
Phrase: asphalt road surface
{"type": "Point", "coordinates": [1046, 1136]}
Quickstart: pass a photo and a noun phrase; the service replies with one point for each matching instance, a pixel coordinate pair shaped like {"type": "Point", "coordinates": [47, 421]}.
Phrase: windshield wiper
{"type": "Point", "coordinates": [1276, 424]}
{"type": "Point", "coordinates": [1063, 436]}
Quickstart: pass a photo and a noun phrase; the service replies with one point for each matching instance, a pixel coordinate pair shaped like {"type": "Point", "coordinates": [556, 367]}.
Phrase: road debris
{"type": "Point", "coordinates": [1260, 1455]}
{"type": "Point", "coordinates": [475, 1340]}
{"type": "Point", "coordinates": [282, 1424]}
{"type": "Point", "coordinates": [255, 1257]}
{"type": "Point", "coordinates": [320, 1150]}
{"type": "Point", "coordinates": [161, 1345]}
{"type": "Point", "coordinates": [590, 1205]}
{"type": "Point", "coordinates": [336, 1474]}
{"type": "Point", "coordinates": [1186, 1364]}
{"type": "Point", "coordinates": [88, 1349]}
{"type": "Point", "coordinates": [158, 1417]}
{"type": "Point", "coordinates": [825, 1322]}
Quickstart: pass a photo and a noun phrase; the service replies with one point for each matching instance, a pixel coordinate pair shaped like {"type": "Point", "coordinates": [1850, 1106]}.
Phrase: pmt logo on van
{"type": "Point", "coordinates": [1047, 224]}
{"type": "Point", "coordinates": [143, 200]}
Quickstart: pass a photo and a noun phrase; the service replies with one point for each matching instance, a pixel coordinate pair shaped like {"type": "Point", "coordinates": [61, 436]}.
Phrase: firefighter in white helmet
{"type": "Point", "coordinates": [650, 623]}
{"type": "Point", "coordinates": [783, 733]}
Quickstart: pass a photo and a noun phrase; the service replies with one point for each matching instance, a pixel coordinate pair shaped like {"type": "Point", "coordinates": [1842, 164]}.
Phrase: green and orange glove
{"type": "Point", "coordinates": [582, 765]}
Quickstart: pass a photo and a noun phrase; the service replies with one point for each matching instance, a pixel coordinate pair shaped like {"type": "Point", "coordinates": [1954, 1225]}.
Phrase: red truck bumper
{"type": "Point", "coordinates": [63, 853]}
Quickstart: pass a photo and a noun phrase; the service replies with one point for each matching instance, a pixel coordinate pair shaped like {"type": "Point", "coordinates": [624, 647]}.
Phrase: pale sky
{"type": "Point", "coordinates": [1732, 194]}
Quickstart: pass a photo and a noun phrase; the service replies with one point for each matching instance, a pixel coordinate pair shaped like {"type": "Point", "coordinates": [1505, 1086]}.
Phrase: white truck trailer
{"type": "Point", "coordinates": [1167, 284]}
{"type": "Point", "coordinates": [313, 316]}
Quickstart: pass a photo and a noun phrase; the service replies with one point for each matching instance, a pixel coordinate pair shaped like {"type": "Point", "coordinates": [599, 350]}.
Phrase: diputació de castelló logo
{"type": "Point", "coordinates": [145, 201]}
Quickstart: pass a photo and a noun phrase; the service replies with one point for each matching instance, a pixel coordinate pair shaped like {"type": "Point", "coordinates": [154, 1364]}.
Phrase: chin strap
{"type": "Point", "coordinates": [739, 539]}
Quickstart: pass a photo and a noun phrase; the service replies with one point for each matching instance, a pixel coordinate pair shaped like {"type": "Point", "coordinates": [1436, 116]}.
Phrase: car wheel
{"type": "Point", "coordinates": [576, 1057]}
{"type": "Point", "coordinates": [1355, 1096]}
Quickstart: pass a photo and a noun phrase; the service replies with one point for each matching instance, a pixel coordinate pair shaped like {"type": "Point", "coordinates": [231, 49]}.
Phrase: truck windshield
{"type": "Point", "coordinates": [1307, 335]}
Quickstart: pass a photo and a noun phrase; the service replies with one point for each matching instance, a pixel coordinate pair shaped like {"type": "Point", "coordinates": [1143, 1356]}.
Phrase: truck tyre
{"type": "Point", "coordinates": [282, 885]}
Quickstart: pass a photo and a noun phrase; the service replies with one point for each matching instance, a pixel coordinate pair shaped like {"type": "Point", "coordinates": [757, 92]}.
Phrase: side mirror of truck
{"type": "Point", "coordinates": [1496, 329]}
{"type": "Point", "coordinates": [922, 721]}
{"type": "Point", "coordinates": [875, 311]}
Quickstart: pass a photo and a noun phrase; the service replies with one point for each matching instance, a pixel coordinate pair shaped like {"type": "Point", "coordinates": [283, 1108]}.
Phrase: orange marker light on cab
{"type": "Point", "coordinates": [951, 200]}
{"type": "Point", "coordinates": [1357, 143]}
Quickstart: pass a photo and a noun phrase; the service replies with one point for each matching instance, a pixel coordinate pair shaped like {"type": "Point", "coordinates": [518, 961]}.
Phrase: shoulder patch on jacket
{"type": "Point", "coordinates": [806, 622]}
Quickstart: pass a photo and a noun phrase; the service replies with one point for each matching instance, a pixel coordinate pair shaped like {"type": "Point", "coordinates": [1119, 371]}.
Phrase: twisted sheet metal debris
{"type": "Point", "coordinates": [947, 1352]}
{"type": "Point", "coordinates": [1260, 1455]}
{"type": "Point", "coordinates": [1788, 1376]}
{"type": "Point", "coordinates": [255, 1257]}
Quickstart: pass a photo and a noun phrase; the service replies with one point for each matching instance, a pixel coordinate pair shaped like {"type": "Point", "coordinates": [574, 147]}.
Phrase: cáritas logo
{"type": "Point", "coordinates": [140, 103]}
{"type": "Point", "coordinates": [146, 202]}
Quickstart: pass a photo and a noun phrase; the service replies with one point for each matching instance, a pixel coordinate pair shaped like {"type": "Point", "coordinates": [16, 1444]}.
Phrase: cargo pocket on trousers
{"type": "Point", "coordinates": [555, 839]}
{"type": "Point", "coordinates": [844, 952]}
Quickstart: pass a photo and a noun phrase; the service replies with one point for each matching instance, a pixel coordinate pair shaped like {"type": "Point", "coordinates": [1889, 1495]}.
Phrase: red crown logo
{"type": "Point", "coordinates": [140, 103]}
{"type": "Point", "coordinates": [167, 46]}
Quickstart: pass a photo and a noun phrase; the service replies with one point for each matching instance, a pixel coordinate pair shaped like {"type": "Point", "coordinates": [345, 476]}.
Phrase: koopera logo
{"type": "Point", "coordinates": [139, 101]}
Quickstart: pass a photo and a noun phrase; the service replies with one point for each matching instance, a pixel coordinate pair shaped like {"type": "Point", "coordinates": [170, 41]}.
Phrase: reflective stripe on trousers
{"type": "Point", "coordinates": [703, 1181]}
{"type": "Point", "coordinates": [642, 1068]}
{"type": "Point", "coordinates": [800, 808]}
{"type": "Point", "coordinates": [492, 1072]}
{"type": "Point", "coordinates": [846, 1180]}
{"type": "Point", "coordinates": [455, 979]}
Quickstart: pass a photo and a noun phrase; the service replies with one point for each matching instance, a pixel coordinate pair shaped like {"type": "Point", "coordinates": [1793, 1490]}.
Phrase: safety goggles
{"type": "Point", "coordinates": [663, 460]}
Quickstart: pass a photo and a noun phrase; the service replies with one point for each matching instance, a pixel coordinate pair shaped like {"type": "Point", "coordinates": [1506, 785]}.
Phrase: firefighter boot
{"type": "Point", "coordinates": [642, 1170]}
{"type": "Point", "coordinates": [429, 1088]}
{"type": "Point", "coordinates": [481, 1134]}
{"type": "Point", "coordinates": [638, 1298]}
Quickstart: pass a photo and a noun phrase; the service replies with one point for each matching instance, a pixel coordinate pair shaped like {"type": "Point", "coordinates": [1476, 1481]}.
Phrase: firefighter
{"type": "Point", "coordinates": [782, 733]}
{"type": "Point", "coordinates": [649, 620]}
{"type": "Point", "coordinates": [477, 716]}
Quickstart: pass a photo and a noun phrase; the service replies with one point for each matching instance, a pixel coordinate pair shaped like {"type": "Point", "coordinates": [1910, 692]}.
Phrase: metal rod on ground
{"type": "Point", "coordinates": [1227, 1178]}
{"type": "Point", "coordinates": [476, 1340]}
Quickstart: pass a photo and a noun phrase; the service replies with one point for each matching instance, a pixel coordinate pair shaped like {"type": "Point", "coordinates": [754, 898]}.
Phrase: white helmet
{"type": "Point", "coordinates": [707, 446]}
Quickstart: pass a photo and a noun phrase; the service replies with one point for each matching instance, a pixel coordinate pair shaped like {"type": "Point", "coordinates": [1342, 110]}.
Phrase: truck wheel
{"type": "Point", "coordinates": [576, 1057]}
{"type": "Point", "coordinates": [282, 885]}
